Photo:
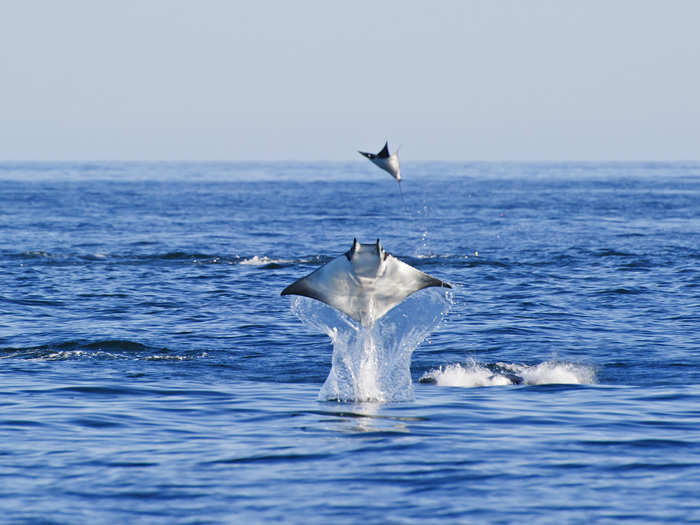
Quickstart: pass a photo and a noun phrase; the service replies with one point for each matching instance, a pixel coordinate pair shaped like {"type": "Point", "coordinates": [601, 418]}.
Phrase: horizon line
{"type": "Point", "coordinates": [306, 161]}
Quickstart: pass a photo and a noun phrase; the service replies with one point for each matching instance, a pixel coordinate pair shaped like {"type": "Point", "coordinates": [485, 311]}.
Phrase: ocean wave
{"type": "Point", "coordinates": [473, 374]}
{"type": "Point", "coordinates": [266, 262]}
{"type": "Point", "coordinates": [107, 349]}
{"type": "Point", "coordinates": [170, 257]}
{"type": "Point", "coordinates": [35, 254]}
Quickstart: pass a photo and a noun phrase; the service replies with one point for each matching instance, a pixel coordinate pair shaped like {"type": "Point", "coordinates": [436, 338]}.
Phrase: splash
{"type": "Point", "coordinates": [373, 363]}
{"type": "Point", "coordinates": [257, 260]}
{"type": "Point", "coordinates": [473, 374]}
{"type": "Point", "coordinates": [469, 375]}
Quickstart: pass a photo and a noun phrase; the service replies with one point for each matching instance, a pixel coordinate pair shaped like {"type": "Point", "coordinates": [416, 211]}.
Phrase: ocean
{"type": "Point", "coordinates": [150, 371]}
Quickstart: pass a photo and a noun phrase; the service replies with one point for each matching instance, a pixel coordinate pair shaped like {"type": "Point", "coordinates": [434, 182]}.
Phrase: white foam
{"type": "Point", "coordinates": [66, 355]}
{"type": "Point", "coordinates": [469, 375]}
{"type": "Point", "coordinates": [554, 372]}
{"type": "Point", "coordinates": [159, 357]}
{"type": "Point", "coordinates": [256, 260]}
{"type": "Point", "coordinates": [473, 374]}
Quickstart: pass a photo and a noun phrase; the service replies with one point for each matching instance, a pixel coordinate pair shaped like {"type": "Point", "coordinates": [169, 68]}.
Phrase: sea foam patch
{"type": "Point", "coordinates": [554, 372]}
{"type": "Point", "coordinates": [473, 374]}
{"type": "Point", "coordinates": [258, 260]}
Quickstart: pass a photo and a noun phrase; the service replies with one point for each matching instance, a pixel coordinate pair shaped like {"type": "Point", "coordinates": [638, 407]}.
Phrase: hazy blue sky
{"type": "Point", "coordinates": [452, 80]}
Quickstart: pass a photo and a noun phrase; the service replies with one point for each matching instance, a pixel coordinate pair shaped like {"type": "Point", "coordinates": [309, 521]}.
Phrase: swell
{"type": "Point", "coordinates": [191, 257]}
{"type": "Point", "coordinates": [105, 349]}
{"type": "Point", "coordinates": [572, 257]}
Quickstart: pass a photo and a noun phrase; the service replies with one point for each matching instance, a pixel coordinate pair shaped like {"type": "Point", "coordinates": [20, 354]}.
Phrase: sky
{"type": "Point", "coordinates": [453, 80]}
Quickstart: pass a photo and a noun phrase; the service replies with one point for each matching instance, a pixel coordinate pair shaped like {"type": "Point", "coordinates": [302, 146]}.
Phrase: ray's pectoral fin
{"type": "Point", "coordinates": [384, 153]}
{"type": "Point", "coordinates": [333, 284]}
{"type": "Point", "coordinates": [399, 281]}
{"type": "Point", "coordinates": [303, 288]}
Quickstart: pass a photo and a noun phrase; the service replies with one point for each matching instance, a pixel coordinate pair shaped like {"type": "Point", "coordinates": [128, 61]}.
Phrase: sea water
{"type": "Point", "coordinates": [150, 372]}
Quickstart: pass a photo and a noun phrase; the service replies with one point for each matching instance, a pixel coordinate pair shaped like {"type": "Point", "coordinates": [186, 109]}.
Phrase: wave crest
{"type": "Point", "coordinates": [473, 374]}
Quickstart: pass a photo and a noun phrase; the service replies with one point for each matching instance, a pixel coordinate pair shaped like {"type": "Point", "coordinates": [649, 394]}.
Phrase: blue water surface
{"type": "Point", "coordinates": [150, 372]}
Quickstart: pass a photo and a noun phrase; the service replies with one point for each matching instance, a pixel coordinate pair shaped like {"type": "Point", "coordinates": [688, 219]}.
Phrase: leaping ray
{"type": "Point", "coordinates": [388, 162]}
{"type": "Point", "coordinates": [364, 283]}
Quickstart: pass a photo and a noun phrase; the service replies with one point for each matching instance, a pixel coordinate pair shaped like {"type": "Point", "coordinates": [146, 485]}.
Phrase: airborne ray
{"type": "Point", "coordinates": [386, 161]}
{"type": "Point", "coordinates": [365, 283]}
